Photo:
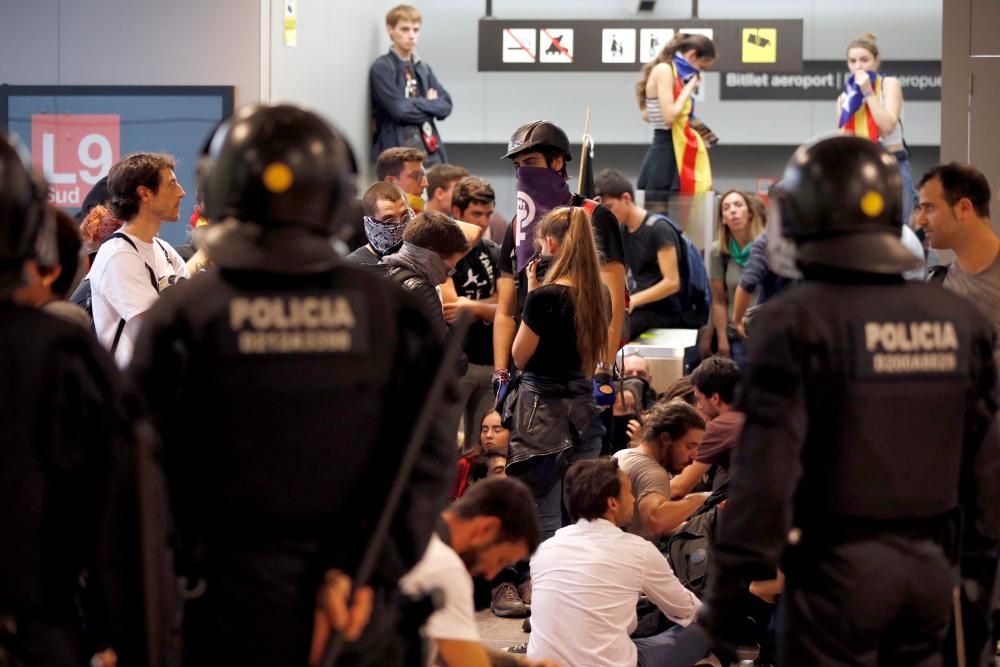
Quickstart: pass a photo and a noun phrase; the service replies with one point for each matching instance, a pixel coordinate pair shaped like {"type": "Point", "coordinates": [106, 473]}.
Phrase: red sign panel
{"type": "Point", "coordinates": [74, 151]}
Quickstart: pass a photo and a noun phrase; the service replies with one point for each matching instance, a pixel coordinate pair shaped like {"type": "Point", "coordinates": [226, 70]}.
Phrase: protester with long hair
{"type": "Point", "coordinates": [677, 161]}
{"type": "Point", "coordinates": [563, 332]}
{"type": "Point", "coordinates": [871, 107]}
{"type": "Point", "coordinates": [741, 220]}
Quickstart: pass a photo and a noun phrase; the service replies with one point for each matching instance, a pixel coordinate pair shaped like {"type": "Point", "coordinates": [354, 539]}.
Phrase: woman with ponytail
{"type": "Point", "coordinates": [561, 339]}
{"type": "Point", "coordinates": [678, 159]}
{"type": "Point", "coordinates": [871, 107]}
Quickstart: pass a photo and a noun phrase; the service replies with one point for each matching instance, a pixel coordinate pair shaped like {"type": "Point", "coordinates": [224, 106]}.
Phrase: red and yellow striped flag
{"type": "Point", "coordinates": [693, 166]}
{"type": "Point", "coordinates": [861, 123]}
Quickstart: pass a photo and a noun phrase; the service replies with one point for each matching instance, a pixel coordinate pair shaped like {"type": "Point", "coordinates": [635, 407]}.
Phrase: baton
{"type": "Point", "coordinates": [445, 371]}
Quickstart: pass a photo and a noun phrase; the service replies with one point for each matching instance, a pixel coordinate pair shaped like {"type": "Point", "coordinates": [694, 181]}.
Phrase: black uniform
{"type": "Point", "coordinates": [857, 434]}
{"type": "Point", "coordinates": [309, 372]}
{"type": "Point", "coordinates": [870, 427]}
{"type": "Point", "coordinates": [284, 474]}
{"type": "Point", "coordinates": [66, 491]}
{"type": "Point", "coordinates": [70, 559]}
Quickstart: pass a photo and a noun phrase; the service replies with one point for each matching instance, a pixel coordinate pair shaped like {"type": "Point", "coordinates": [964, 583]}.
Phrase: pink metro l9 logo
{"type": "Point", "coordinates": [74, 151]}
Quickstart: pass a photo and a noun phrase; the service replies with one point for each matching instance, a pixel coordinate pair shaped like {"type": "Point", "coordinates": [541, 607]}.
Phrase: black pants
{"type": "Point", "coordinates": [867, 603]}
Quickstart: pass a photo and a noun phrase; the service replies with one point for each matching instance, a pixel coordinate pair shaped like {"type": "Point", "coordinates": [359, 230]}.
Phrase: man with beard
{"type": "Point", "coordinates": [671, 433]}
{"type": "Point", "coordinates": [494, 525]}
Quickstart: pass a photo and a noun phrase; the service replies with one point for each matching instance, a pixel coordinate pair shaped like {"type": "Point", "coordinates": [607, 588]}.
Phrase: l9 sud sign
{"type": "Point", "coordinates": [74, 151]}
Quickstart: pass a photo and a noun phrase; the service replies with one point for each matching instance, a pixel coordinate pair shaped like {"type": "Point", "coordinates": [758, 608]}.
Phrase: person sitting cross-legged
{"type": "Point", "coordinates": [587, 578]}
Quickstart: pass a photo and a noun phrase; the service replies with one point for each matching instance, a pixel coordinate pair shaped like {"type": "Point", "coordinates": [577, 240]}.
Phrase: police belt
{"type": "Point", "coordinates": [942, 529]}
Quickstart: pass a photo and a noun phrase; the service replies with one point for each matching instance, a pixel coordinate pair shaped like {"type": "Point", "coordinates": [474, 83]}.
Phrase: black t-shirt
{"type": "Point", "coordinates": [641, 248]}
{"type": "Point", "coordinates": [549, 311]}
{"type": "Point", "coordinates": [366, 256]}
{"type": "Point", "coordinates": [606, 233]}
{"type": "Point", "coordinates": [476, 278]}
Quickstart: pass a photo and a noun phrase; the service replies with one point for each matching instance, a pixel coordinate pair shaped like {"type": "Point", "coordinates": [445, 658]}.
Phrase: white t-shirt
{"type": "Point", "coordinates": [585, 582]}
{"type": "Point", "coordinates": [443, 569]}
{"type": "Point", "coordinates": [121, 288]}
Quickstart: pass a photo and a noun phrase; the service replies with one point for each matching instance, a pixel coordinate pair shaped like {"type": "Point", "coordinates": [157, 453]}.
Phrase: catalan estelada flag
{"type": "Point", "coordinates": [854, 115]}
{"type": "Point", "coordinates": [693, 168]}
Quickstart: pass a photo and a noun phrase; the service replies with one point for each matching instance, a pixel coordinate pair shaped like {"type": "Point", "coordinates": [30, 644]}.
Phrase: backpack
{"type": "Point", "coordinates": [689, 549]}
{"type": "Point", "coordinates": [696, 294]}
{"type": "Point", "coordinates": [83, 297]}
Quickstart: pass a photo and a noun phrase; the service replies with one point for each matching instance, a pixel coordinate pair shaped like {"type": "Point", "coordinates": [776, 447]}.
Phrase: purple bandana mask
{"type": "Point", "coordinates": [539, 190]}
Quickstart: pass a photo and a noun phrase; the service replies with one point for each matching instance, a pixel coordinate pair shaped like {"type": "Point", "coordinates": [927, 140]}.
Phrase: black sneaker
{"type": "Point", "coordinates": [507, 602]}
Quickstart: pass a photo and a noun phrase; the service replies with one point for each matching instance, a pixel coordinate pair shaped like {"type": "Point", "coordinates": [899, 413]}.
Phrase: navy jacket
{"type": "Point", "coordinates": [394, 112]}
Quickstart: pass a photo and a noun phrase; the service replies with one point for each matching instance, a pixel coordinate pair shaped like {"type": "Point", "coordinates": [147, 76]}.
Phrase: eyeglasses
{"type": "Point", "coordinates": [402, 220]}
{"type": "Point", "coordinates": [415, 175]}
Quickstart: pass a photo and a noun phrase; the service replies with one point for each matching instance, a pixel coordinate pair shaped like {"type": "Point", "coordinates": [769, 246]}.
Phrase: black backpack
{"type": "Point", "coordinates": [689, 550]}
{"type": "Point", "coordinates": [82, 296]}
{"type": "Point", "coordinates": [696, 293]}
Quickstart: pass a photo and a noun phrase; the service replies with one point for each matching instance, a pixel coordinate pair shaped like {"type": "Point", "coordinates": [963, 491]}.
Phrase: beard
{"type": "Point", "coordinates": [667, 460]}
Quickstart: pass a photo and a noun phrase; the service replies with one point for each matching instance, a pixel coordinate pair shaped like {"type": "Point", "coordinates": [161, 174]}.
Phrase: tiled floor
{"type": "Point", "coordinates": [498, 633]}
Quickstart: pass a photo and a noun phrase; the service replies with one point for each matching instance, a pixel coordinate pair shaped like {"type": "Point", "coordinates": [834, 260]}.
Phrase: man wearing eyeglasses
{"type": "Point", "coordinates": [386, 215]}
{"type": "Point", "coordinates": [403, 167]}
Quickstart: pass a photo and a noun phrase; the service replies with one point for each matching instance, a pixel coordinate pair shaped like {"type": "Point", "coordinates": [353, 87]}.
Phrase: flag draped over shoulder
{"type": "Point", "coordinates": [854, 114]}
{"type": "Point", "coordinates": [693, 168]}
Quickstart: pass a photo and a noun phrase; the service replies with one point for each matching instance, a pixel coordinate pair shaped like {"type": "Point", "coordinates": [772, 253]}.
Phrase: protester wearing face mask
{"type": "Point", "coordinates": [540, 151]}
{"type": "Point", "coordinates": [386, 216]}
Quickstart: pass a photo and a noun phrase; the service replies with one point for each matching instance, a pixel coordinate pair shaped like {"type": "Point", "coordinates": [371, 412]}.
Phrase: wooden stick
{"type": "Point", "coordinates": [583, 148]}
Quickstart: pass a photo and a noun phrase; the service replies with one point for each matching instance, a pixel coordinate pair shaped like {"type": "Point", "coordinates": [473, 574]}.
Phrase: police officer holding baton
{"type": "Point", "coordinates": [309, 373]}
{"type": "Point", "coordinates": [870, 431]}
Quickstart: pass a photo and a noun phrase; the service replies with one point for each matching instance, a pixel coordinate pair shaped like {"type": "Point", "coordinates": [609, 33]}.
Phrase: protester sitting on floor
{"type": "Point", "coordinates": [670, 437]}
{"type": "Point", "coordinates": [588, 577]}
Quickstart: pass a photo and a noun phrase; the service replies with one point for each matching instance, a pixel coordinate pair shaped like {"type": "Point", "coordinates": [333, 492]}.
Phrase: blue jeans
{"type": "Point", "coordinates": [549, 506]}
{"type": "Point", "coordinates": [676, 647]}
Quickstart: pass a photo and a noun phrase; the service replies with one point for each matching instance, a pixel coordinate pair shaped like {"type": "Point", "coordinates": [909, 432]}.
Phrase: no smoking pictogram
{"type": "Point", "coordinates": [520, 45]}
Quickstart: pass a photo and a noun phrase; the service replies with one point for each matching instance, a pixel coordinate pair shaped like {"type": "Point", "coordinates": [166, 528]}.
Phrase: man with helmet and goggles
{"type": "Point", "coordinates": [870, 427]}
{"type": "Point", "coordinates": [313, 371]}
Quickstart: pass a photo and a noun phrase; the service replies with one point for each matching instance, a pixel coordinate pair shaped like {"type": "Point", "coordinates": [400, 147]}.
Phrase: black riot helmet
{"type": "Point", "coordinates": [840, 202]}
{"type": "Point", "coordinates": [277, 166]}
{"type": "Point", "coordinates": [27, 227]}
{"type": "Point", "coordinates": [538, 136]}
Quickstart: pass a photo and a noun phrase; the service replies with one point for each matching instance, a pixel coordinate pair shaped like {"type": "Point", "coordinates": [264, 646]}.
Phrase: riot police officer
{"type": "Point", "coordinates": [870, 407]}
{"type": "Point", "coordinates": [307, 374]}
{"type": "Point", "coordinates": [66, 465]}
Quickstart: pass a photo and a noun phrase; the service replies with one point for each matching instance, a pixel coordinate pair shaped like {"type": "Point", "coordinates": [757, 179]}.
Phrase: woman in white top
{"type": "Point", "coordinates": [871, 107]}
{"type": "Point", "coordinates": [677, 161]}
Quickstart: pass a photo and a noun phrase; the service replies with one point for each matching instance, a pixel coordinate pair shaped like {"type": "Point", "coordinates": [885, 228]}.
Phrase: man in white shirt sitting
{"type": "Point", "coordinates": [588, 577]}
{"type": "Point", "coordinates": [494, 525]}
{"type": "Point", "coordinates": [133, 267]}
